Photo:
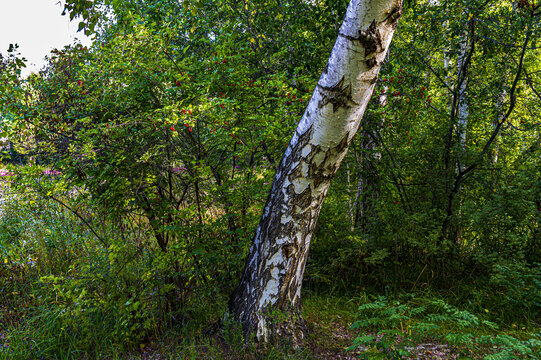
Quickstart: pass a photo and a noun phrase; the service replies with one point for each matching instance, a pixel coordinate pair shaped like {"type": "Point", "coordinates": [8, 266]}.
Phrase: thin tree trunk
{"type": "Point", "coordinates": [267, 301]}
{"type": "Point", "coordinates": [462, 110]}
{"type": "Point", "coordinates": [462, 115]}
{"type": "Point", "coordinates": [500, 101]}
{"type": "Point", "coordinates": [351, 201]}
{"type": "Point", "coordinates": [459, 111]}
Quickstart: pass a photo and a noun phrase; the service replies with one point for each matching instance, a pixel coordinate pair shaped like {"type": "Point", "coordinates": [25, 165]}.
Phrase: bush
{"type": "Point", "coordinates": [66, 294]}
{"type": "Point", "coordinates": [519, 287]}
{"type": "Point", "coordinates": [394, 327]}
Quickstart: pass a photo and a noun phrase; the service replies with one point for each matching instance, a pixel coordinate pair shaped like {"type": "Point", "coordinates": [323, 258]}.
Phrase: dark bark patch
{"type": "Point", "coordinates": [313, 151]}
{"type": "Point", "coordinates": [394, 14]}
{"type": "Point", "coordinates": [289, 250]}
{"type": "Point", "coordinates": [339, 95]}
{"type": "Point", "coordinates": [370, 63]}
{"type": "Point", "coordinates": [370, 39]}
{"type": "Point", "coordinates": [296, 173]}
{"type": "Point", "coordinates": [304, 198]}
{"type": "Point", "coordinates": [342, 145]}
{"type": "Point", "coordinates": [320, 180]}
{"type": "Point", "coordinates": [326, 170]}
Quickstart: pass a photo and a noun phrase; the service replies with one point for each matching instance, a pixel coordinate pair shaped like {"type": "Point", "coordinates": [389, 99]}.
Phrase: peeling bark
{"type": "Point", "coordinates": [267, 301]}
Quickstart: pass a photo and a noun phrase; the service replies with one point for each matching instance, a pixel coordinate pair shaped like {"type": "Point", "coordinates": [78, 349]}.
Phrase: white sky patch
{"type": "Point", "coordinates": [37, 26]}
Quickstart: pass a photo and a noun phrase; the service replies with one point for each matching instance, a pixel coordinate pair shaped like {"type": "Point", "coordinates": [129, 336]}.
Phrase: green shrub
{"type": "Point", "coordinates": [65, 294]}
{"type": "Point", "coordinates": [519, 285]}
{"type": "Point", "coordinates": [394, 327]}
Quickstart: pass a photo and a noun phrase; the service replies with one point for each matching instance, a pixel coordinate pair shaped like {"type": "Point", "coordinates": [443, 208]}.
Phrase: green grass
{"type": "Point", "coordinates": [66, 295]}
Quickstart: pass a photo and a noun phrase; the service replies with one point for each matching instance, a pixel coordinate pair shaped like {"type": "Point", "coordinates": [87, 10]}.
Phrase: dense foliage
{"type": "Point", "coordinates": [135, 172]}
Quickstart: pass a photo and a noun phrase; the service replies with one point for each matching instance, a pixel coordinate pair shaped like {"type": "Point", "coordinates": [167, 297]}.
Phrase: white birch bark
{"type": "Point", "coordinates": [500, 101]}
{"type": "Point", "coordinates": [462, 110]}
{"type": "Point", "coordinates": [274, 268]}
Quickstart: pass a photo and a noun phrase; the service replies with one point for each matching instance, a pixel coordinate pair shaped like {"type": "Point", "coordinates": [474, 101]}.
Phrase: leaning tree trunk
{"type": "Point", "coordinates": [267, 301]}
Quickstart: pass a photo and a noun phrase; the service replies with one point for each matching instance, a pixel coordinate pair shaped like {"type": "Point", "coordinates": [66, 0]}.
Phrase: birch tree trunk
{"type": "Point", "coordinates": [267, 301]}
{"type": "Point", "coordinates": [462, 110]}
{"type": "Point", "coordinates": [500, 113]}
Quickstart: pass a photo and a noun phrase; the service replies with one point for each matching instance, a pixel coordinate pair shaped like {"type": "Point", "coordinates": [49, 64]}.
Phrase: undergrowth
{"type": "Point", "coordinates": [66, 294]}
{"type": "Point", "coordinates": [390, 329]}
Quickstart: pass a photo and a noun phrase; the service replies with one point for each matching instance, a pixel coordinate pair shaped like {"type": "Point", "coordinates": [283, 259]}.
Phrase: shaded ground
{"type": "Point", "coordinates": [329, 320]}
{"type": "Point", "coordinates": [330, 335]}
{"type": "Point", "coordinates": [326, 341]}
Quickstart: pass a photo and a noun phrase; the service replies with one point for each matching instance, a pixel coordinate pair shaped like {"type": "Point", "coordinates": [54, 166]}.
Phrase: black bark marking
{"type": "Point", "coordinates": [394, 15]}
{"type": "Point", "coordinates": [370, 39]}
{"type": "Point", "coordinates": [339, 95]}
{"type": "Point", "coordinates": [296, 173]}
{"type": "Point", "coordinates": [370, 63]}
{"type": "Point", "coordinates": [289, 249]}
{"type": "Point", "coordinates": [313, 151]}
{"type": "Point", "coordinates": [343, 144]}
{"type": "Point", "coordinates": [324, 173]}
{"type": "Point", "coordinates": [304, 198]}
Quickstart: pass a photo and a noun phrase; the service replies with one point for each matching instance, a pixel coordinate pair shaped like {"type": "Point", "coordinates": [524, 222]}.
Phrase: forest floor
{"type": "Point", "coordinates": [330, 335]}
{"type": "Point", "coordinates": [326, 341]}
{"type": "Point", "coordinates": [329, 321]}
